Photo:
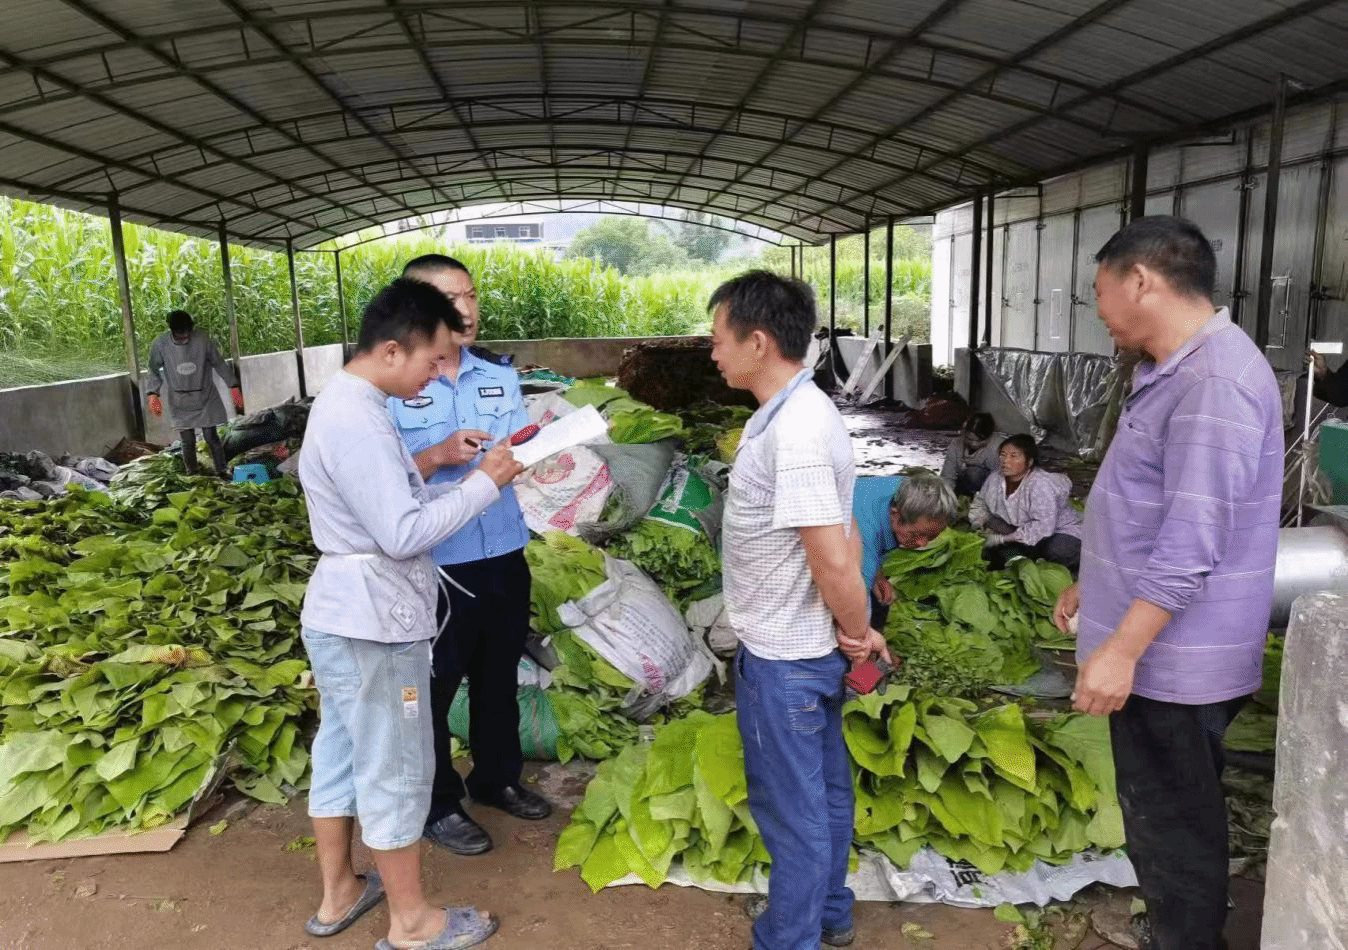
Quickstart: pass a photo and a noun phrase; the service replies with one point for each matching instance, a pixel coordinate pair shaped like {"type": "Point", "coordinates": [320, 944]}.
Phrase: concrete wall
{"type": "Point", "coordinates": [90, 416]}
{"type": "Point", "coordinates": [83, 417]}
{"type": "Point", "coordinates": [911, 372]}
{"type": "Point", "coordinates": [1308, 844]}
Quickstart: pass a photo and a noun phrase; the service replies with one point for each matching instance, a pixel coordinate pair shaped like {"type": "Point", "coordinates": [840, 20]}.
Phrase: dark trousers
{"type": "Point", "coordinates": [1168, 759]}
{"type": "Point", "coordinates": [483, 641]}
{"type": "Point", "coordinates": [188, 438]}
{"type": "Point", "coordinates": [970, 479]}
{"type": "Point", "coordinates": [1060, 548]}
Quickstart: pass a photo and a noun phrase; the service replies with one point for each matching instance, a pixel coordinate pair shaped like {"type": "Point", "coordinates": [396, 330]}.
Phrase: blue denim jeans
{"type": "Point", "coordinates": [373, 757]}
{"type": "Point", "coordinates": [800, 793]}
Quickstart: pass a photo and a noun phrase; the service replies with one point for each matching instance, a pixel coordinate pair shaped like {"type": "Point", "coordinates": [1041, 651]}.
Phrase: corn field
{"type": "Point", "coordinates": [60, 316]}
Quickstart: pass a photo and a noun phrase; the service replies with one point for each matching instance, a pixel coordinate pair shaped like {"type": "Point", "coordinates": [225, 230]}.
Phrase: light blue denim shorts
{"type": "Point", "coordinates": [374, 755]}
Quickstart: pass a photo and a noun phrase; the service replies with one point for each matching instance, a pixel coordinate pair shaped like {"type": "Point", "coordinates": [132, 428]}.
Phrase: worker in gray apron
{"type": "Point", "coordinates": [184, 359]}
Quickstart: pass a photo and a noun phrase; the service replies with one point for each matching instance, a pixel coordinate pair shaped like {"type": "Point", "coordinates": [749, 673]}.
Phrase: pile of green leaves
{"type": "Point", "coordinates": [587, 695]}
{"type": "Point", "coordinates": [682, 797]}
{"type": "Point", "coordinates": [682, 562]}
{"type": "Point", "coordinates": [563, 568]}
{"type": "Point", "coordinates": [1255, 728]}
{"type": "Point", "coordinates": [961, 628]}
{"type": "Point", "coordinates": [137, 645]}
{"type": "Point", "coordinates": [705, 423]}
{"type": "Point", "coordinates": [587, 692]}
{"type": "Point", "coordinates": [629, 421]}
{"type": "Point", "coordinates": [992, 786]}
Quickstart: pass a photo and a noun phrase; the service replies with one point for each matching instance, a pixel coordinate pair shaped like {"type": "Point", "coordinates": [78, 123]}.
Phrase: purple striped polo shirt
{"type": "Point", "coordinates": [1184, 514]}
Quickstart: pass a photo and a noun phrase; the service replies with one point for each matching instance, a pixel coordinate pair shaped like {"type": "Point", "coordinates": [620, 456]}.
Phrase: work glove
{"type": "Point", "coordinates": [991, 539]}
{"type": "Point", "coordinates": [237, 394]}
{"type": "Point", "coordinates": [156, 405]}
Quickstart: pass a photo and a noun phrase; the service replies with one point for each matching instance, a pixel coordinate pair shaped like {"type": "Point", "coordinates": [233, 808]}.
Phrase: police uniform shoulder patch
{"type": "Point", "coordinates": [487, 356]}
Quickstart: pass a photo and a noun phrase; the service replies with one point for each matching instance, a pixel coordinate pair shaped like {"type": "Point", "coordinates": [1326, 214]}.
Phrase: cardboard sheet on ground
{"type": "Point", "coordinates": [933, 879]}
{"type": "Point", "coordinates": [119, 841]}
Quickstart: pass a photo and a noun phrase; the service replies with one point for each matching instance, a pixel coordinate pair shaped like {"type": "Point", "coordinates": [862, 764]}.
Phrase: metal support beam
{"type": "Point", "coordinates": [975, 266]}
{"type": "Point", "coordinates": [341, 306]}
{"type": "Point", "coordinates": [987, 278]}
{"type": "Point", "coordinates": [1137, 195]}
{"type": "Point", "coordinates": [889, 300]}
{"type": "Point", "coordinates": [1242, 231]}
{"type": "Point", "coordinates": [832, 286]}
{"type": "Point", "coordinates": [866, 278]}
{"type": "Point", "coordinates": [295, 309]}
{"type": "Point", "coordinates": [128, 324]}
{"type": "Point", "coordinates": [1262, 314]}
{"type": "Point", "coordinates": [230, 314]}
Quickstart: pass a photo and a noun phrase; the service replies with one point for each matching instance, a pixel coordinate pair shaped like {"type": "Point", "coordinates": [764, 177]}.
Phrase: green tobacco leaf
{"type": "Point", "coordinates": [1003, 733]}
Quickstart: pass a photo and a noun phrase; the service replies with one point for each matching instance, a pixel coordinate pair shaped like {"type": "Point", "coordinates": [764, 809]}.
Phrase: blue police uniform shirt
{"type": "Point", "coordinates": [486, 396]}
{"type": "Point", "coordinates": [870, 506]}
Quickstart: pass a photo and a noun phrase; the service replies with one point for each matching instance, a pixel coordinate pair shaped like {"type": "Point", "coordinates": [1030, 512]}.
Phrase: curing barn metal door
{"type": "Point", "coordinates": [1293, 253]}
{"type": "Point", "coordinates": [1055, 283]}
{"type": "Point", "coordinates": [1216, 209]}
{"type": "Point", "coordinates": [1097, 226]}
{"type": "Point", "coordinates": [1331, 309]}
{"type": "Point", "coordinates": [961, 262]}
{"type": "Point", "coordinates": [1018, 278]}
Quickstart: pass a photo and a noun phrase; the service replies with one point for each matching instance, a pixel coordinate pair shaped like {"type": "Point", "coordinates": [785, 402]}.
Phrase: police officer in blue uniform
{"type": "Point", "coordinates": [484, 589]}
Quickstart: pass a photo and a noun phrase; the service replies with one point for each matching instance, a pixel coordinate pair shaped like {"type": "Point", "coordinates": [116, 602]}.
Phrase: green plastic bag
{"type": "Point", "coordinates": [538, 723]}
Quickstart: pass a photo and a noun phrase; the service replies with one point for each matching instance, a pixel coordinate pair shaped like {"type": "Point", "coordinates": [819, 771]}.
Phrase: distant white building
{"type": "Point", "coordinates": [516, 232]}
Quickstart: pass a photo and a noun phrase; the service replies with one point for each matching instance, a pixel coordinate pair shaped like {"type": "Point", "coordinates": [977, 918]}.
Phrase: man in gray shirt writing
{"type": "Point", "coordinates": [369, 618]}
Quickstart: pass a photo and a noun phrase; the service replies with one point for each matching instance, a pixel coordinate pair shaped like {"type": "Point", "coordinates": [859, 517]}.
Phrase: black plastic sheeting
{"type": "Point", "coordinates": [1074, 396]}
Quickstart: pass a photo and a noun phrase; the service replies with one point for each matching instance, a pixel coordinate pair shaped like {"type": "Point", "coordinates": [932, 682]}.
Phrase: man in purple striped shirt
{"type": "Point", "coordinates": [1176, 585]}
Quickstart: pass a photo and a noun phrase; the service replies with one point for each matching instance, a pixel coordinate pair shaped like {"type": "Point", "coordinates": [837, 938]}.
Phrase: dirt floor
{"type": "Point", "coordinates": [249, 888]}
{"type": "Point", "coordinates": [244, 890]}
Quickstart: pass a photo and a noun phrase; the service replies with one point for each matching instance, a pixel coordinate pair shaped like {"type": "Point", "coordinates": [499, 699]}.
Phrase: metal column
{"type": "Point", "coordinates": [832, 285]}
{"type": "Point", "coordinates": [230, 315]}
{"type": "Point", "coordinates": [976, 254]}
{"type": "Point", "coordinates": [341, 306]}
{"type": "Point", "coordinates": [1242, 229]}
{"type": "Point", "coordinates": [1137, 197]}
{"type": "Point", "coordinates": [128, 324]}
{"type": "Point", "coordinates": [1261, 315]}
{"type": "Point", "coordinates": [889, 301]}
{"type": "Point", "coordinates": [295, 308]}
{"type": "Point", "coordinates": [866, 278]}
{"type": "Point", "coordinates": [987, 277]}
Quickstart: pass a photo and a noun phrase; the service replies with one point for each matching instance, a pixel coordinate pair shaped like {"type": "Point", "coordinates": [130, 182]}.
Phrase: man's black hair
{"type": "Point", "coordinates": [180, 322]}
{"type": "Point", "coordinates": [1173, 247]}
{"type": "Point", "coordinates": [980, 425]}
{"type": "Point", "coordinates": [781, 307]}
{"type": "Point", "coordinates": [404, 310]}
{"type": "Point", "coordinates": [1028, 447]}
{"type": "Point", "coordinates": [430, 263]}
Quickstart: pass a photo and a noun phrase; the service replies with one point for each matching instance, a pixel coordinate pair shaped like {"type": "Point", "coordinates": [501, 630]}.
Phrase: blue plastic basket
{"type": "Point", "coordinates": [251, 473]}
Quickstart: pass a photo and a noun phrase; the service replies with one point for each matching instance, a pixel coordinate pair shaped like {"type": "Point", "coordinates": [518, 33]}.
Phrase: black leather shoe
{"type": "Point", "coordinates": [518, 801]}
{"type": "Point", "coordinates": [458, 833]}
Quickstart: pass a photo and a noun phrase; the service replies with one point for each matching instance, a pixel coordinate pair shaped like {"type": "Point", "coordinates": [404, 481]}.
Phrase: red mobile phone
{"type": "Point", "coordinates": [864, 678]}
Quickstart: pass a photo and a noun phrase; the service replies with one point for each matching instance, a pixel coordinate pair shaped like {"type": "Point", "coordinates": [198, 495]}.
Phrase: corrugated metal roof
{"type": "Point", "coordinates": [304, 119]}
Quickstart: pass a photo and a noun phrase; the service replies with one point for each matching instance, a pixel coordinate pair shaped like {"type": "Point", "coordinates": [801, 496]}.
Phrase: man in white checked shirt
{"type": "Point", "coordinates": [793, 591]}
